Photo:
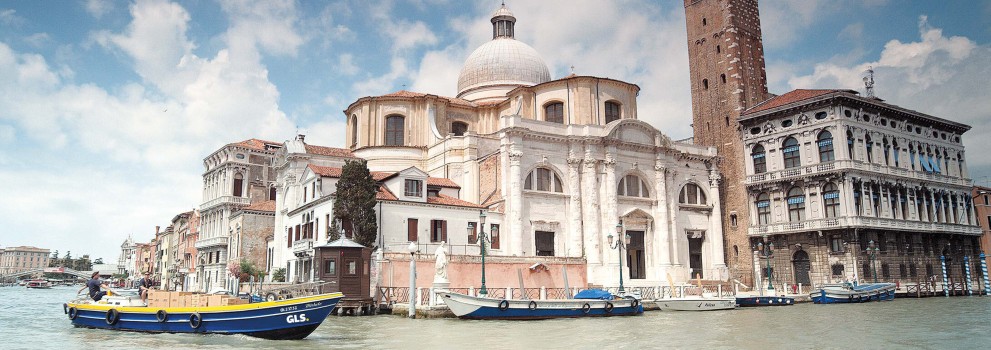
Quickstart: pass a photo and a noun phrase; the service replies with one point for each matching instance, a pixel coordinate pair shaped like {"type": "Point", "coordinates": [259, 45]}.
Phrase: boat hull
{"type": "Point", "coordinates": [761, 301]}
{"type": "Point", "coordinates": [846, 294]}
{"type": "Point", "coordinates": [696, 304]}
{"type": "Point", "coordinates": [469, 307]}
{"type": "Point", "coordinates": [284, 319]}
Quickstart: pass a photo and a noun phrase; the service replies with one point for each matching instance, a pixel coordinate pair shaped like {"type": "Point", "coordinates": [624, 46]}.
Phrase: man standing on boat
{"type": "Point", "coordinates": [144, 285]}
{"type": "Point", "coordinates": [94, 286]}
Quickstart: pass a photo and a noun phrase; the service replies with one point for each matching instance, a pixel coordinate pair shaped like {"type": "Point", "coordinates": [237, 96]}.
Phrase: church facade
{"type": "Point", "coordinates": [562, 167]}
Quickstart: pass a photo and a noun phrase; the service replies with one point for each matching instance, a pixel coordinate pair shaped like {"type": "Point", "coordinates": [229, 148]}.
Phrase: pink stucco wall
{"type": "Point", "coordinates": [500, 272]}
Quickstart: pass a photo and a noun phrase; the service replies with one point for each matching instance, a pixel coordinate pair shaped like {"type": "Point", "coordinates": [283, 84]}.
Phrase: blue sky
{"type": "Point", "coordinates": [107, 108]}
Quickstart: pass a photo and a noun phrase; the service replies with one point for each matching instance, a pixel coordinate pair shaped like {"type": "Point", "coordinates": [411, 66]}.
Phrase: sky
{"type": "Point", "coordinates": [107, 108]}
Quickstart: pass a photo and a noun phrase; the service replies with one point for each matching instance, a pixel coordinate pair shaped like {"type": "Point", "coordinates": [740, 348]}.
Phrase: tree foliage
{"type": "Point", "coordinates": [279, 275]}
{"type": "Point", "coordinates": [355, 202]}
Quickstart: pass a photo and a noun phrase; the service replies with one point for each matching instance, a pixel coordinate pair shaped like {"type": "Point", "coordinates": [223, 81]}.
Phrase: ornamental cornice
{"type": "Point", "coordinates": [574, 162]}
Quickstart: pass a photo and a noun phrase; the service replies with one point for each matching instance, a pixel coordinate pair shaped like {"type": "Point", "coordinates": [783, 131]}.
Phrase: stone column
{"type": "Point", "coordinates": [674, 236]}
{"type": "Point", "coordinates": [662, 230]}
{"type": "Point", "coordinates": [865, 198]}
{"type": "Point", "coordinates": [848, 205]}
{"type": "Point", "coordinates": [611, 217]}
{"type": "Point", "coordinates": [590, 210]}
{"type": "Point", "coordinates": [715, 235]}
{"type": "Point", "coordinates": [973, 214]}
{"type": "Point", "coordinates": [513, 241]}
{"type": "Point", "coordinates": [575, 246]}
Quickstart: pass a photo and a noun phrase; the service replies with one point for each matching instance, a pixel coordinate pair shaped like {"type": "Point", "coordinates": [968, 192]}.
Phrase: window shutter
{"type": "Point", "coordinates": [411, 226]}
{"type": "Point", "coordinates": [443, 230]}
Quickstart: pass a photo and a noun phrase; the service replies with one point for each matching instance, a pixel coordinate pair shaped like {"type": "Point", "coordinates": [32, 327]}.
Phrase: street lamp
{"type": "Point", "coordinates": [481, 241]}
{"type": "Point", "coordinates": [872, 255]}
{"type": "Point", "coordinates": [412, 279]}
{"type": "Point", "coordinates": [620, 244]}
{"type": "Point", "coordinates": [766, 252]}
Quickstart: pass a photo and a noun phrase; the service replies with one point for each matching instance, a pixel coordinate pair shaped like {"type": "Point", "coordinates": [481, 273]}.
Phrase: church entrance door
{"type": "Point", "coordinates": [800, 262]}
{"type": "Point", "coordinates": [635, 261]}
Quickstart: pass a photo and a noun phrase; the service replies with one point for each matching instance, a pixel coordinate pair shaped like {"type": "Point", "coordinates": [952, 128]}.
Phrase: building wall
{"type": "Point", "coordinates": [23, 258]}
{"type": "Point", "coordinates": [982, 204]}
{"type": "Point", "coordinates": [724, 42]}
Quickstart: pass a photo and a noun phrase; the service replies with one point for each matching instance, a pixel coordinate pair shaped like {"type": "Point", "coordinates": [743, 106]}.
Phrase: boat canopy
{"type": "Point", "coordinates": [594, 294]}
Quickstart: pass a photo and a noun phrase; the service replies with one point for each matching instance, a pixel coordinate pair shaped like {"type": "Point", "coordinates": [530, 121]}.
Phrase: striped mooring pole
{"type": "Point", "coordinates": [946, 280]}
{"type": "Point", "coordinates": [984, 272]}
{"type": "Point", "coordinates": [966, 271]}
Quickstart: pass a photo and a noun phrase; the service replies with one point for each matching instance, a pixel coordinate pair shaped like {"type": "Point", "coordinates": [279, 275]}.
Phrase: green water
{"type": "Point", "coordinates": [33, 319]}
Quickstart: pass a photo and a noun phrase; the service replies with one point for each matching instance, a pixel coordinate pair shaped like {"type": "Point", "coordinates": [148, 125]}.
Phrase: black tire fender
{"type": "Point", "coordinates": [162, 316]}
{"type": "Point", "coordinates": [609, 307]}
{"type": "Point", "coordinates": [533, 305]}
{"type": "Point", "coordinates": [65, 308]}
{"type": "Point", "coordinates": [504, 305]}
{"type": "Point", "coordinates": [112, 316]}
{"type": "Point", "coordinates": [635, 303]}
{"type": "Point", "coordinates": [586, 308]}
{"type": "Point", "coordinates": [195, 320]}
{"type": "Point", "coordinates": [72, 312]}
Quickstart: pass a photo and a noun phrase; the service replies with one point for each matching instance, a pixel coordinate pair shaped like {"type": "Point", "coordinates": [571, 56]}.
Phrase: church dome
{"type": "Point", "coordinates": [502, 61]}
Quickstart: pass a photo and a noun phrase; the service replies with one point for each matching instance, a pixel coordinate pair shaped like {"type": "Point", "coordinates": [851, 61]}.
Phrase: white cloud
{"type": "Point", "coordinates": [10, 17]}
{"type": "Point", "coordinates": [937, 75]}
{"type": "Point", "coordinates": [7, 134]}
{"type": "Point", "coordinates": [383, 84]}
{"type": "Point", "coordinates": [98, 8]}
{"type": "Point", "coordinates": [345, 64]}
{"type": "Point", "coordinates": [408, 35]}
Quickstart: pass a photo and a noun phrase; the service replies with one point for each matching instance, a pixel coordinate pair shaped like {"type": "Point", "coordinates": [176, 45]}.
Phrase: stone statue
{"type": "Point", "coordinates": [440, 275]}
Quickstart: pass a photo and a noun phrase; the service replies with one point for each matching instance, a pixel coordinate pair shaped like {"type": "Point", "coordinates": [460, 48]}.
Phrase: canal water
{"type": "Point", "coordinates": [33, 319]}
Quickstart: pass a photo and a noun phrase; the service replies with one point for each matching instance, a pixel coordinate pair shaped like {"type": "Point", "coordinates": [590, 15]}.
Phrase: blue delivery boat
{"type": "Point", "coordinates": [587, 303]}
{"type": "Point", "coordinates": [283, 319]}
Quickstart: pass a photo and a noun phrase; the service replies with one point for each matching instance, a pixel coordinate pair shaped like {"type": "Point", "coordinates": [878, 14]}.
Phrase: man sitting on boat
{"type": "Point", "coordinates": [144, 285]}
{"type": "Point", "coordinates": [94, 286]}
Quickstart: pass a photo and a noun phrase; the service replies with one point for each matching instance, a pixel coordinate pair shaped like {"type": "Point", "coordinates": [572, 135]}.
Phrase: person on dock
{"type": "Point", "coordinates": [144, 285]}
{"type": "Point", "coordinates": [95, 286]}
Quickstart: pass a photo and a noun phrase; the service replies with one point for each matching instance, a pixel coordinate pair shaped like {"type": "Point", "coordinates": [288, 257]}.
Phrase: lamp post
{"type": "Point", "coordinates": [481, 241]}
{"type": "Point", "coordinates": [872, 250]}
{"type": "Point", "coordinates": [620, 244]}
{"type": "Point", "coordinates": [766, 252]}
{"type": "Point", "coordinates": [412, 279]}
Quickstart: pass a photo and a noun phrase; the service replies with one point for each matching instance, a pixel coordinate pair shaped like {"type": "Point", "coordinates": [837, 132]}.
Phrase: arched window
{"type": "Point", "coordinates": [354, 130]}
{"type": "Point", "coordinates": [825, 142]}
{"type": "Point", "coordinates": [723, 78]}
{"type": "Point", "coordinates": [705, 84]}
{"type": "Point", "coordinates": [554, 112]}
{"type": "Point", "coordinates": [760, 162]}
{"type": "Point", "coordinates": [849, 143]}
{"type": "Point", "coordinates": [796, 204]}
{"type": "Point", "coordinates": [831, 200]}
{"type": "Point", "coordinates": [895, 151]}
{"type": "Point", "coordinates": [612, 112]}
{"type": "Point", "coordinates": [459, 128]}
{"type": "Point", "coordinates": [763, 209]}
{"type": "Point", "coordinates": [238, 188]}
{"type": "Point", "coordinates": [790, 151]}
{"type": "Point", "coordinates": [395, 126]}
{"type": "Point", "coordinates": [870, 148]}
{"type": "Point", "coordinates": [543, 179]}
{"type": "Point", "coordinates": [960, 163]}
{"type": "Point", "coordinates": [632, 186]}
{"type": "Point", "coordinates": [911, 157]}
{"type": "Point", "coordinates": [887, 149]}
{"type": "Point", "coordinates": [691, 194]}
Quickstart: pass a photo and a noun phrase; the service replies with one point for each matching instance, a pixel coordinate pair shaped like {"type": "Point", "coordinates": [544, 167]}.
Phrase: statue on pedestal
{"type": "Point", "coordinates": [440, 265]}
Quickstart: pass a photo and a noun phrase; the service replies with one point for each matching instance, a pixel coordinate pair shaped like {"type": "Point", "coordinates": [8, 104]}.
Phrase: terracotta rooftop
{"type": "Point", "coordinates": [268, 205]}
{"type": "Point", "coordinates": [789, 98]}
{"type": "Point", "coordinates": [447, 200]}
{"type": "Point", "coordinates": [257, 144]}
{"type": "Point", "coordinates": [441, 182]}
{"type": "Point", "coordinates": [385, 194]}
{"type": "Point", "coordinates": [329, 151]}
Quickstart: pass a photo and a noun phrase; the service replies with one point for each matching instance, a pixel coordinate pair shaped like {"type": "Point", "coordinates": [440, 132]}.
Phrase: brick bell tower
{"type": "Point", "coordinates": [726, 60]}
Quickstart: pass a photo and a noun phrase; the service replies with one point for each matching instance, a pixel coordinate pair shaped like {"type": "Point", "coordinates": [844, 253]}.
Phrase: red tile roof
{"type": "Point", "coordinates": [257, 144]}
{"type": "Point", "coordinates": [441, 182]}
{"type": "Point", "coordinates": [329, 151]}
{"type": "Point", "coordinates": [789, 98]}
{"type": "Point", "coordinates": [385, 194]}
{"type": "Point", "coordinates": [447, 200]}
{"type": "Point", "coordinates": [325, 170]}
{"type": "Point", "coordinates": [268, 205]}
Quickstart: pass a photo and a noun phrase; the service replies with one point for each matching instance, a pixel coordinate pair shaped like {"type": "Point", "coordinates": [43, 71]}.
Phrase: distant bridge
{"type": "Point", "coordinates": [65, 270]}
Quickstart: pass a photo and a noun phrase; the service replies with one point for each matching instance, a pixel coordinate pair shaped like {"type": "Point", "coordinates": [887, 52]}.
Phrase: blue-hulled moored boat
{"type": "Point", "coordinates": [597, 304]}
{"type": "Point", "coordinates": [758, 301]}
{"type": "Point", "coordinates": [853, 293]}
{"type": "Point", "coordinates": [284, 319]}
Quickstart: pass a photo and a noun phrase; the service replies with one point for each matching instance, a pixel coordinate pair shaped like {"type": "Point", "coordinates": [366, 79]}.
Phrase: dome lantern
{"type": "Point", "coordinates": [502, 23]}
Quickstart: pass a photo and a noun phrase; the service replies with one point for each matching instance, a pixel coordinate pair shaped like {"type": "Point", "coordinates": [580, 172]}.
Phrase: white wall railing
{"type": "Point", "coordinates": [814, 169]}
{"type": "Point", "coordinates": [224, 200]}
{"type": "Point", "coordinates": [860, 222]}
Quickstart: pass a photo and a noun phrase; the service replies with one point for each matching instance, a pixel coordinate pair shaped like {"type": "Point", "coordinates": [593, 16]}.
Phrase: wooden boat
{"type": "Point", "coordinates": [38, 284]}
{"type": "Point", "coordinates": [853, 293]}
{"type": "Point", "coordinates": [481, 308]}
{"type": "Point", "coordinates": [696, 303]}
{"type": "Point", "coordinates": [759, 301]}
{"type": "Point", "coordinates": [283, 319]}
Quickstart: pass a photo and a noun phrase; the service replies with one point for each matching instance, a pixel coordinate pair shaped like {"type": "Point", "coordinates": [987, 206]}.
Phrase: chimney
{"type": "Point", "coordinates": [300, 137]}
{"type": "Point", "coordinates": [156, 229]}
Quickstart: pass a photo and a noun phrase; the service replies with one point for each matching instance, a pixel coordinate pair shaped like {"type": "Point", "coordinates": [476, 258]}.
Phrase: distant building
{"type": "Point", "coordinates": [126, 261]}
{"type": "Point", "coordinates": [830, 172]}
{"type": "Point", "coordinates": [185, 228]}
{"type": "Point", "coordinates": [982, 205]}
{"type": "Point", "coordinates": [23, 258]}
{"type": "Point", "coordinates": [252, 228]}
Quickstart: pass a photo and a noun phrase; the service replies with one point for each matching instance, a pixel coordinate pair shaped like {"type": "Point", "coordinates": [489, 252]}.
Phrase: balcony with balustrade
{"type": "Point", "coordinates": [205, 243]}
{"type": "Point", "coordinates": [230, 200]}
{"type": "Point", "coordinates": [862, 223]}
{"type": "Point", "coordinates": [839, 165]}
{"type": "Point", "coordinates": [303, 247]}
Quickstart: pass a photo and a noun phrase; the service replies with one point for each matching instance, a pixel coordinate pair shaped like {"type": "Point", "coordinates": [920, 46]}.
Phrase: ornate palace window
{"type": "Point", "coordinates": [796, 204]}
{"type": "Point", "coordinates": [554, 112]}
{"type": "Point", "coordinates": [612, 112]}
{"type": "Point", "coordinates": [825, 142]}
{"type": "Point", "coordinates": [354, 130]}
{"type": "Point", "coordinates": [395, 126]}
{"type": "Point", "coordinates": [763, 209]}
{"type": "Point", "coordinates": [632, 186]}
{"type": "Point", "coordinates": [691, 194]}
{"type": "Point", "coordinates": [790, 151]}
{"type": "Point", "coordinates": [543, 179]}
{"type": "Point", "coordinates": [760, 161]}
{"type": "Point", "coordinates": [831, 200]}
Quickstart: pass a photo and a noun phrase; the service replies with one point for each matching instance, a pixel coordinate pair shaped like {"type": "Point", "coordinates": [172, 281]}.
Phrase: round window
{"type": "Point", "coordinates": [821, 115]}
{"type": "Point", "coordinates": [847, 113]}
{"type": "Point", "coordinates": [786, 123]}
{"type": "Point", "coordinates": [755, 131]}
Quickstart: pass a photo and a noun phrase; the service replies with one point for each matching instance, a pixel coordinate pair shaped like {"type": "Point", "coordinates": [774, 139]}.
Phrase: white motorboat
{"type": "Point", "coordinates": [696, 303]}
